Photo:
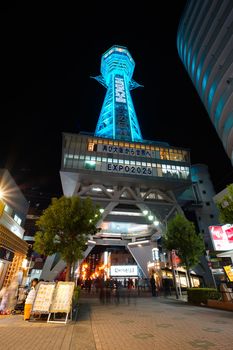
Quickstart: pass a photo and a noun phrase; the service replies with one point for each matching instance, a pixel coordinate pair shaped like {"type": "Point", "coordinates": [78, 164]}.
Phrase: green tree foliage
{"type": "Point", "coordinates": [225, 206]}
{"type": "Point", "coordinates": [64, 228]}
{"type": "Point", "coordinates": [182, 237]}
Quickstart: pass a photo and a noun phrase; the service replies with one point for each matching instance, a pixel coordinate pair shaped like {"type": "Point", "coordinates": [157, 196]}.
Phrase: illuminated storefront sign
{"type": "Point", "coordinates": [129, 169]}
{"type": "Point", "coordinates": [222, 237]}
{"type": "Point", "coordinates": [229, 272]}
{"type": "Point", "coordinates": [124, 270]}
{"type": "Point", "coordinates": [125, 150]}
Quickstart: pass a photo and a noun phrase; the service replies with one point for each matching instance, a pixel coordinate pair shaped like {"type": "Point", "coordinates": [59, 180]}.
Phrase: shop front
{"type": "Point", "coordinates": [13, 251]}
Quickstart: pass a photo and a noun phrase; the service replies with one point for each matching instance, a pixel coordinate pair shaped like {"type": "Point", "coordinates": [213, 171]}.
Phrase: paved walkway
{"type": "Point", "coordinates": [143, 323]}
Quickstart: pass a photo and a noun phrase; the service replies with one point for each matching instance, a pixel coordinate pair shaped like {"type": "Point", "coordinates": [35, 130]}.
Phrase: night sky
{"type": "Point", "coordinates": [48, 55]}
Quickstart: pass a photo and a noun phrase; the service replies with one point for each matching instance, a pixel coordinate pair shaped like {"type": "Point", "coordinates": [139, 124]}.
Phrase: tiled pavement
{"type": "Point", "coordinates": [144, 323]}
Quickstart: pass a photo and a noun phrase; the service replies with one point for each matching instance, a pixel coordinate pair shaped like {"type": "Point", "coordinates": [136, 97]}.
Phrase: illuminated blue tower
{"type": "Point", "coordinates": [117, 118]}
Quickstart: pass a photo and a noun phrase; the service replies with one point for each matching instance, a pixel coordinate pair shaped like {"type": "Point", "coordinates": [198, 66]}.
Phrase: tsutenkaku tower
{"type": "Point", "coordinates": [117, 118]}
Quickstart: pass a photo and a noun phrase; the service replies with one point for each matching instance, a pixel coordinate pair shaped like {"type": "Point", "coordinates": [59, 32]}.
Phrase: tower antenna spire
{"type": "Point", "coordinates": [118, 119]}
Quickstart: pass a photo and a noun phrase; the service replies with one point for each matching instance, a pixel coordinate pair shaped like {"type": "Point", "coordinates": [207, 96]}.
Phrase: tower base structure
{"type": "Point", "coordinates": [136, 185]}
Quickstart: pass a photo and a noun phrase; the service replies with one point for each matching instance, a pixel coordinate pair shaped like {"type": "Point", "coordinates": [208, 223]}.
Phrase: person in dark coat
{"type": "Point", "coordinates": [153, 286]}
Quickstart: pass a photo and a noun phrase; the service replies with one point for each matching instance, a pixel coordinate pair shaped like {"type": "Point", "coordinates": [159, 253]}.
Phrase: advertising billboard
{"type": "Point", "coordinates": [124, 270]}
{"type": "Point", "coordinates": [229, 272]}
{"type": "Point", "coordinates": [222, 237]}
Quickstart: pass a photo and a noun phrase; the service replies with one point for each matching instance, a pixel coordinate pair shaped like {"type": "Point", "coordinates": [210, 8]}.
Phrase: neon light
{"type": "Point", "coordinates": [117, 118]}
{"type": "Point", "coordinates": [211, 94]}
{"type": "Point", "coordinates": [204, 82]}
{"type": "Point", "coordinates": [219, 109]}
{"type": "Point", "coordinates": [189, 57]}
{"type": "Point", "coordinates": [193, 65]}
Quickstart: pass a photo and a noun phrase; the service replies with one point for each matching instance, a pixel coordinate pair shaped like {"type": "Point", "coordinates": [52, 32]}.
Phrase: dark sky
{"type": "Point", "coordinates": [48, 55]}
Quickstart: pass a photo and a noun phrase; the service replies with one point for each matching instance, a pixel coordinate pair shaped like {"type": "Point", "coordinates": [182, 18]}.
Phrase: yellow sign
{"type": "Point", "coordinates": [229, 272]}
{"type": "Point", "coordinates": [2, 206]}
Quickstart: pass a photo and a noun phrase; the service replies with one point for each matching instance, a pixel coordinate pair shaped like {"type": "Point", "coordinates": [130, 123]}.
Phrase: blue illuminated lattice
{"type": "Point", "coordinates": [117, 118]}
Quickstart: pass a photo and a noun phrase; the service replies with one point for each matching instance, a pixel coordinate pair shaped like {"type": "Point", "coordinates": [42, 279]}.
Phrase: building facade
{"type": "Point", "coordinates": [205, 46]}
{"type": "Point", "coordinates": [13, 211]}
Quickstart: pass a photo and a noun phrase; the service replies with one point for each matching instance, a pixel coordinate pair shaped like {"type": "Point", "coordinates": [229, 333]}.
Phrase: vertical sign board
{"type": "Point", "coordinates": [43, 298]}
{"type": "Point", "coordinates": [121, 110]}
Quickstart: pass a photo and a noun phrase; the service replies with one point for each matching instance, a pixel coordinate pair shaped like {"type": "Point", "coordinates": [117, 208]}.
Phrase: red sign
{"type": "Point", "coordinates": [222, 237]}
{"type": "Point", "coordinates": [229, 232]}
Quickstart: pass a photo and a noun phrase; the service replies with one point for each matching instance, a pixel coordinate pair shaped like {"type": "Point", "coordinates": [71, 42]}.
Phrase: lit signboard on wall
{"type": "Point", "coordinates": [229, 272]}
{"type": "Point", "coordinates": [222, 237]}
{"type": "Point", "coordinates": [124, 270]}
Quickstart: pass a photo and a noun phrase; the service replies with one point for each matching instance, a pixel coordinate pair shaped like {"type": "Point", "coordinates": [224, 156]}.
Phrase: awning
{"type": "Point", "coordinates": [228, 253]}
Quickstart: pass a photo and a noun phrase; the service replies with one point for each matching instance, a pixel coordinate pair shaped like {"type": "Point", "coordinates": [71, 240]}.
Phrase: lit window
{"type": "Point", "coordinates": [90, 146]}
{"type": "Point", "coordinates": [8, 209]}
{"type": "Point", "coordinates": [90, 164]}
{"type": "Point", "coordinates": [17, 219]}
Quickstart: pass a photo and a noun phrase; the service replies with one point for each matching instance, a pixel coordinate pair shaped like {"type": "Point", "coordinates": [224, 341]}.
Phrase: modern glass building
{"type": "Point", "coordinates": [205, 46]}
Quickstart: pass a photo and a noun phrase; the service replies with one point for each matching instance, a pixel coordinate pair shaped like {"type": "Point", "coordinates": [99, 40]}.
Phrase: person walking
{"type": "Point", "coordinates": [153, 285]}
{"type": "Point", "coordinates": [4, 294]}
{"type": "Point", "coordinates": [30, 299]}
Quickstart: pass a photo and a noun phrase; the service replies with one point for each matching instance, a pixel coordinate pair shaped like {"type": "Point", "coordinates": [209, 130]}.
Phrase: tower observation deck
{"type": "Point", "coordinates": [118, 119]}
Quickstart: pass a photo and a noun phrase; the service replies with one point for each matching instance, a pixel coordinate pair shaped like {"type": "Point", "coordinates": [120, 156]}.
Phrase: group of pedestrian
{"type": "Point", "coordinates": [9, 297]}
